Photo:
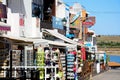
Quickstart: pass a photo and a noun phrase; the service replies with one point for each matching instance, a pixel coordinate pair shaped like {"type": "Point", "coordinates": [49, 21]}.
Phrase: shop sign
{"type": "Point", "coordinates": [21, 20]}
{"type": "Point", "coordinates": [3, 28]}
{"type": "Point", "coordinates": [88, 44]}
{"type": "Point", "coordinates": [83, 55]}
{"type": "Point", "coordinates": [57, 23]}
{"type": "Point", "coordinates": [3, 12]}
{"type": "Point", "coordinates": [75, 21]}
{"type": "Point", "coordinates": [90, 21]}
{"type": "Point", "coordinates": [70, 35]}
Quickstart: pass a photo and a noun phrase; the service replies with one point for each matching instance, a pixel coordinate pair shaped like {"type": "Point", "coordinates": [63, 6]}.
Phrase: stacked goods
{"type": "Point", "coordinates": [47, 58]}
{"type": "Point", "coordinates": [56, 62]}
{"type": "Point", "coordinates": [16, 57]}
{"type": "Point", "coordinates": [60, 59]}
{"type": "Point", "coordinates": [63, 62]}
{"type": "Point", "coordinates": [29, 57]}
{"type": "Point", "coordinates": [47, 63]}
{"type": "Point", "coordinates": [70, 65]}
{"type": "Point", "coordinates": [80, 62]}
{"type": "Point", "coordinates": [4, 56]}
{"type": "Point", "coordinates": [16, 60]}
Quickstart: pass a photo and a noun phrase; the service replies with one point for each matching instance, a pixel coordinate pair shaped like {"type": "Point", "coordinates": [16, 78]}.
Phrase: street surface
{"type": "Point", "coordinates": [113, 74]}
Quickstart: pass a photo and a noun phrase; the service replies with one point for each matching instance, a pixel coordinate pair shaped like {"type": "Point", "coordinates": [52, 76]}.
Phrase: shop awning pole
{"type": "Point", "coordinates": [10, 64]}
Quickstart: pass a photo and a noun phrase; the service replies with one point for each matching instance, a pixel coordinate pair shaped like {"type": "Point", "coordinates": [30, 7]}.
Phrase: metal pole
{"type": "Point", "coordinates": [94, 55]}
{"type": "Point", "coordinates": [81, 30]}
{"type": "Point", "coordinates": [66, 63]}
{"type": "Point", "coordinates": [10, 64]}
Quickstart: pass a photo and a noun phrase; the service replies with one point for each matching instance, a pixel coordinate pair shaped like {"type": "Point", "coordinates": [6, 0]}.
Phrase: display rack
{"type": "Point", "coordinates": [4, 58]}
{"type": "Point", "coordinates": [70, 66]}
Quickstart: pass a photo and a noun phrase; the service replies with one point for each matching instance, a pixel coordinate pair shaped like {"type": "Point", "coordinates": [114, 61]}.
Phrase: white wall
{"type": "Point", "coordinates": [60, 11]}
{"type": "Point", "coordinates": [24, 7]}
{"type": "Point", "coordinates": [76, 8]}
{"type": "Point", "coordinates": [67, 12]}
{"type": "Point", "coordinates": [28, 18]}
{"type": "Point", "coordinates": [13, 16]}
{"type": "Point", "coordinates": [14, 24]}
{"type": "Point", "coordinates": [3, 2]}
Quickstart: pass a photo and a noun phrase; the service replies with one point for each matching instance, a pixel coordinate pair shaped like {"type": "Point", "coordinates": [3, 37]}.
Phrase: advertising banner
{"type": "Point", "coordinates": [75, 21]}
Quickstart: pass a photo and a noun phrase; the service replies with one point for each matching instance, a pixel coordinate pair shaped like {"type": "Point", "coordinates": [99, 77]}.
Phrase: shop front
{"type": "Point", "coordinates": [16, 54]}
{"type": "Point", "coordinates": [55, 60]}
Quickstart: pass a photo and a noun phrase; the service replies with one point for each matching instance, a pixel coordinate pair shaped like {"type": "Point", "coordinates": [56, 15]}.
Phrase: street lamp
{"type": "Point", "coordinates": [64, 22]}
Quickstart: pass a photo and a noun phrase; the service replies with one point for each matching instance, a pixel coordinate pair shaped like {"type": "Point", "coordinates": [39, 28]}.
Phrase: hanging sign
{"type": "Point", "coordinates": [90, 21]}
{"type": "Point", "coordinates": [21, 20]}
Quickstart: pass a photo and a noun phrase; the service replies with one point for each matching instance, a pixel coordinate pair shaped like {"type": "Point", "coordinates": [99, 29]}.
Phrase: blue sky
{"type": "Point", "coordinates": [107, 13]}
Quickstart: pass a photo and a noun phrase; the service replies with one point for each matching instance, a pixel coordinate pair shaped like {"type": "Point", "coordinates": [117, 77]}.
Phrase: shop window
{"type": "Point", "coordinates": [36, 10]}
{"type": "Point", "coordinates": [48, 9]}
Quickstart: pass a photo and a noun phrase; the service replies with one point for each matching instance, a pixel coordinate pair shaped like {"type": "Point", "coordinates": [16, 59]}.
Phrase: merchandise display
{"type": "Point", "coordinates": [70, 65]}
{"type": "Point", "coordinates": [40, 61]}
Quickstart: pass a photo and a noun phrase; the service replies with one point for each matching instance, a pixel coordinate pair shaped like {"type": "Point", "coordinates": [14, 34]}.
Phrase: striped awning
{"type": "Point", "coordinates": [4, 27]}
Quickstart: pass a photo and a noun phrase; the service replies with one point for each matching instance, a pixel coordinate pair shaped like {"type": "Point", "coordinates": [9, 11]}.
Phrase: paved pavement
{"type": "Point", "coordinates": [113, 74]}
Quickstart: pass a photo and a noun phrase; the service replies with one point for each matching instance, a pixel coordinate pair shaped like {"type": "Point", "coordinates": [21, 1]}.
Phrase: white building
{"type": "Point", "coordinates": [91, 41]}
{"type": "Point", "coordinates": [21, 20]}
{"type": "Point", "coordinates": [77, 8]}
{"type": "Point", "coordinates": [62, 11]}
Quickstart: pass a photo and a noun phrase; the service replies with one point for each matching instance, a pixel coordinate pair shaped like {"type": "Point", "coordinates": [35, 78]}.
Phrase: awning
{"type": "Point", "coordinates": [38, 41]}
{"type": "Point", "coordinates": [91, 32]}
{"type": "Point", "coordinates": [49, 42]}
{"type": "Point", "coordinates": [17, 40]}
{"type": "Point", "coordinates": [4, 27]}
{"type": "Point", "coordinates": [60, 36]}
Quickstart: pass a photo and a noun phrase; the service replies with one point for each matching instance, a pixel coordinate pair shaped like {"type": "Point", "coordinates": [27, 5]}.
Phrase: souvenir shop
{"type": "Point", "coordinates": [56, 60]}
{"type": "Point", "coordinates": [15, 53]}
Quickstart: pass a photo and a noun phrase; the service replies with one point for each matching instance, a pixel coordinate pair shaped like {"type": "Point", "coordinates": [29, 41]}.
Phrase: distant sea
{"type": "Point", "coordinates": [115, 58]}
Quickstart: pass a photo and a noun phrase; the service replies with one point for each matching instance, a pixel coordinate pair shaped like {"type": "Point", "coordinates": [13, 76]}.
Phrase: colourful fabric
{"type": "Point", "coordinates": [60, 74]}
{"type": "Point", "coordinates": [83, 55]}
{"type": "Point", "coordinates": [40, 61]}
